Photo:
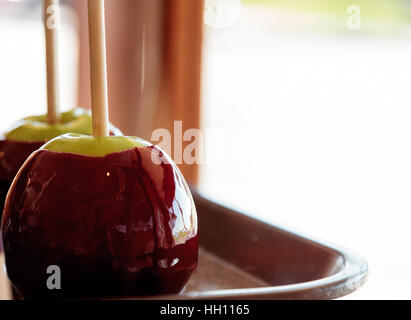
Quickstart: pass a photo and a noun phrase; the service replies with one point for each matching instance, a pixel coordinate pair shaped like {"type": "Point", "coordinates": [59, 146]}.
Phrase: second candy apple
{"type": "Point", "coordinates": [29, 134]}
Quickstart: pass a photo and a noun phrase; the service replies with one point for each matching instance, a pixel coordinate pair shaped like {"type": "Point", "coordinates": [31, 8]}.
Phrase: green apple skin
{"type": "Point", "coordinates": [36, 128]}
{"type": "Point", "coordinates": [93, 146]}
{"type": "Point", "coordinates": [114, 213]}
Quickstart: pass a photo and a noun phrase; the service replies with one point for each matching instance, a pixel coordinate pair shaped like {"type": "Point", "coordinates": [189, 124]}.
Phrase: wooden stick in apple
{"type": "Point", "coordinates": [98, 67]}
{"type": "Point", "coordinates": [51, 21]}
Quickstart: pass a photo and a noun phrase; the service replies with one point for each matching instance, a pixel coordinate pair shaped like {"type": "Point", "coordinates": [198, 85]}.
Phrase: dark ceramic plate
{"type": "Point", "coordinates": [243, 258]}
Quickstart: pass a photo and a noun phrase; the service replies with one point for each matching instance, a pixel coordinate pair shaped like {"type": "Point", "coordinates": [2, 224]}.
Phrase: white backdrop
{"type": "Point", "coordinates": [329, 147]}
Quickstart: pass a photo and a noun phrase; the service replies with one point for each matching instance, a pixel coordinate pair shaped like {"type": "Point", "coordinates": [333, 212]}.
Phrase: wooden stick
{"type": "Point", "coordinates": [98, 67]}
{"type": "Point", "coordinates": [51, 19]}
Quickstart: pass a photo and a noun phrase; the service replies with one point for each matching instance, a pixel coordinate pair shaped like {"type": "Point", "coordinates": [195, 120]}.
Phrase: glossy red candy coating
{"type": "Point", "coordinates": [115, 225]}
{"type": "Point", "coordinates": [12, 156]}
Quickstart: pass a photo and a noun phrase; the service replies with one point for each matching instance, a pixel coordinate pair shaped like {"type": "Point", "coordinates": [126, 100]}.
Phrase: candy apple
{"type": "Point", "coordinates": [114, 214]}
{"type": "Point", "coordinates": [30, 134]}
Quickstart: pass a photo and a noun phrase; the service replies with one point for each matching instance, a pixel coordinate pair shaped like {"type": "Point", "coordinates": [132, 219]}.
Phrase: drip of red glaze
{"type": "Point", "coordinates": [96, 219]}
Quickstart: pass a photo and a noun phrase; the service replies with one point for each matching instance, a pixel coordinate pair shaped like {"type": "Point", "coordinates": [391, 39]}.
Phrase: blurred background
{"type": "Point", "coordinates": [305, 109]}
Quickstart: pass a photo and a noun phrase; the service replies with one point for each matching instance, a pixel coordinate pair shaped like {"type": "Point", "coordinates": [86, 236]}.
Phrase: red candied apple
{"type": "Point", "coordinates": [30, 134]}
{"type": "Point", "coordinates": [113, 213]}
